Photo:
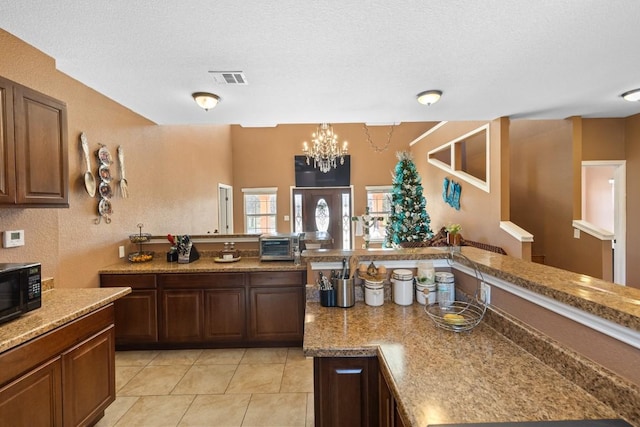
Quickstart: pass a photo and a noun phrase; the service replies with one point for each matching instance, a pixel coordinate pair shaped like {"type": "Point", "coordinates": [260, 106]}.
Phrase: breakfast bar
{"type": "Point", "coordinates": [503, 370]}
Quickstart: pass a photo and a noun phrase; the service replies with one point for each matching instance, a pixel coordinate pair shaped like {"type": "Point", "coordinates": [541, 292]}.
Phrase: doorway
{"type": "Point", "coordinates": [326, 209]}
{"type": "Point", "coordinates": [604, 205]}
{"type": "Point", "coordinates": [225, 209]}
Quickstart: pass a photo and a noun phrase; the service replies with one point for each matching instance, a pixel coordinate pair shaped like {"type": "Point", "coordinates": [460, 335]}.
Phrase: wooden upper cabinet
{"type": "Point", "coordinates": [33, 148]}
{"type": "Point", "coordinates": [7, 146]}
{"type": "Point", "coordinates": [42, 167]}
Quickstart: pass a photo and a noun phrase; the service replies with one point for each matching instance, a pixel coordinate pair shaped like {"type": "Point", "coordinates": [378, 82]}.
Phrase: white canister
{"type": "Point", "coordinates": [374, 292]}
{"type": "Point", "coordinates": [445, 288]}
{"type": "Point", "coordinates": [402, 274]}
{"type": "Point", "coordinates": [426, 294]}
{"type": "Point", "coordinates": [402, 291]}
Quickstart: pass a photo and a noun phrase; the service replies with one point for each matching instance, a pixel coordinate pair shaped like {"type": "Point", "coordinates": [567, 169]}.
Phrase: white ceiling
{"type": "Point", "coordinates": [344, 60]}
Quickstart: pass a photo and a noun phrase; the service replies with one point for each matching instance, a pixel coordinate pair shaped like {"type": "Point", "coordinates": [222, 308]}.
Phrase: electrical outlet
{"type": "Point", "coordinates": [121, 251]}
{"type": "Point", "coordinates": [485, 293]}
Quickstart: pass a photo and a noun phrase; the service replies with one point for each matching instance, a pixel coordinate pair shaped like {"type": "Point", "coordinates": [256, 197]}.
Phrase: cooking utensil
{"type": "Point", "coordinates": [344, 269]}
{"type": "Point", "coordinates": [353, 266]}
{"type": "Point", "coordinates": [123, 181]}
{"type": "Point", "coordinates": [89, 179]}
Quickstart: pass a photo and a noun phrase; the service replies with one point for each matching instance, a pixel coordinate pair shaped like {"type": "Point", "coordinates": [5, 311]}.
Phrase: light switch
{"type": "Point", "coordinates": [576, 233]}
{"type": "Point", "coordinates": [286, 217]}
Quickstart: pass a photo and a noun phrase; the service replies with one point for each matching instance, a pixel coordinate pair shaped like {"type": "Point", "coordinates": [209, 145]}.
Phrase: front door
{"type": "Point", "coordinates": [324, 209]}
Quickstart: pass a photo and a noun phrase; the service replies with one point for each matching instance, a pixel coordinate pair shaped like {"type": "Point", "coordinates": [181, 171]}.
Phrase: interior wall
{"type": "Point", "coordinates": [632, 156]}
{"type": "Point", "coordinates": [541, 195]}
{"type": "Point", "coordinates": [263, 157]}
{"type": "Point", "coordinates": [598, 200]}
{"type": "Point", "coordinates": [603, 139]}
{"type": "Point", "coordinates": [480, 212]}
{"type": "Point", "coordinates": [172, 172]}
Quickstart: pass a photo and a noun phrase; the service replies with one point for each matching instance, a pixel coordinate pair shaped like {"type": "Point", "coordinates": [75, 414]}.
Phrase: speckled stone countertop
{"type": "Point", "coordinates": [59, 306]}
{"type": "Point", "coordinates": [438, 376]}
{"type": "Point", "coordinates": [619, 304]}
{"type": "Point", "coordinates": [202, 265]}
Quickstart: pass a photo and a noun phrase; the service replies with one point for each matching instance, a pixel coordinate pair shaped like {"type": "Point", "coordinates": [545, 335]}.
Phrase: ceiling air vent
{"type": "Point", "coordinates": [229, 77]}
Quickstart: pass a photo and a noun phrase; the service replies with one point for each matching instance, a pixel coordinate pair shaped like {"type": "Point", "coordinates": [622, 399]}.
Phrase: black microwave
{"type": "Point", "coordinates": [279, 246]}
{"type": "Point", "coordinates": [20, 289]}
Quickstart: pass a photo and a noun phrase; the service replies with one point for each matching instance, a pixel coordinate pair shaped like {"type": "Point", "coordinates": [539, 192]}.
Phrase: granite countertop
{"type": "Point", "coordinates": [619, 304]}
{"type": "Point", "coordinates": [202, 265]}
{"type": "Point", "coordinates": [439, 376]}
{"type": "Point", "coordinates": [59, 306]}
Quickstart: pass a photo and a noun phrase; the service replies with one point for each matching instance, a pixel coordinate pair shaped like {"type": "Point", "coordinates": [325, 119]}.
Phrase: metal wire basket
{"type": "Point", "coordinates": [459, 316]}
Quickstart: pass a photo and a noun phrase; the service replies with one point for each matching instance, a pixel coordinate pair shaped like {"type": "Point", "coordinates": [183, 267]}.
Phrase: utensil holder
{"type": "Point", "coordinates": [328, 297]}
{"type": "Point", "coordinates": [345, 292]}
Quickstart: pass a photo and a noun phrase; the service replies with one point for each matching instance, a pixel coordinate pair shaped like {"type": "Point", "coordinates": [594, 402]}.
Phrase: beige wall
{"type": "Point", "coordinates": [263, 157]}
{"type": "Point", "coordinates": [632, 155]}
{"type": "Point", "coordinates": [480, 212]}
{"type": "Point", "coordinates": [172, 171]}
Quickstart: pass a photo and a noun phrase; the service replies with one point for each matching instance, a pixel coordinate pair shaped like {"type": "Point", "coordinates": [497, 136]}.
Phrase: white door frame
{"type": "Point", "coordinates": [619, 215]}
{"type": "Point", "coordinates": [225, 209]}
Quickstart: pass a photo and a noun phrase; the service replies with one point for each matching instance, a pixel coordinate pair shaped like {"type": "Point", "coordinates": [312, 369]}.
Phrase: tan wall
{"type": "Point", "coordinates": [632, 152]}
{"type": "Point", "coordinates": [480, 212]}
{"type": "Point", "coordinates": [263, 157]}
{"type": "Point", "coordinates": [603, 139]}
{"type": "Point", "coordinates": [172, 171]}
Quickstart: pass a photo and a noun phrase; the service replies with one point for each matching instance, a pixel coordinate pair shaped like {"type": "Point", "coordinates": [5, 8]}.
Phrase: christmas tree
{"type": "Point", "coordinates": [408, 219]}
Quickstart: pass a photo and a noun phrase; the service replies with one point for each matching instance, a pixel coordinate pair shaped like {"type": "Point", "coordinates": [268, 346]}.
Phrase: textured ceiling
{"type": "Point", "coordinates": [344, 60]}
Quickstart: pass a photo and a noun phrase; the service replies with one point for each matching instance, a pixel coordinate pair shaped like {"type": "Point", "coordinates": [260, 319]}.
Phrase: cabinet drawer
{"type": "Point", "coordinates": [286, 278]}
{"type": "Point", "coordinates": [134, 281]}
{"type": "Point", "coordinates": [200, 281]}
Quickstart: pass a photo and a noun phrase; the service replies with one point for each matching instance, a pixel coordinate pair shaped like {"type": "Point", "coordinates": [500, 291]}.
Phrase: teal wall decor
{"type": "Point", "coordinates": [451, 193]}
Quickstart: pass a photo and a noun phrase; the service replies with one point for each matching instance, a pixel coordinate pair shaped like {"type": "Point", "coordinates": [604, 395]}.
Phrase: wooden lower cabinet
{"type": "Point", "coordinates": [64, 378]}
{"type": "Point", "coordinates": [182, 315]}
{"type": "Point", "coordinates": [34, 399]}
{"type": "Point", "coordinates": [224, 315]}
{"type": "Point", "coordinates": [92, 359]}
{"type": "Point", "coordinates": [209, 309]}
{"type": "Point", "coordinates": [277, 314]}
{"type": "Point", "coordinates": [387, 407]}
{"type": "Point", "coordinates": [136, 313]}
{"type": "Point", "coordinates": [345, 391]}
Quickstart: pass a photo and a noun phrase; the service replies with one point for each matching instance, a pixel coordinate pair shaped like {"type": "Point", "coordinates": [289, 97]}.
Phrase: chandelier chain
{"type": "Point", "coordinates": [375, 147]}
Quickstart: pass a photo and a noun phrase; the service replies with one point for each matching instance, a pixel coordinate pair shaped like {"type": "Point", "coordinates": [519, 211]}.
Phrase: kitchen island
{"type": "Point", "coordinates": [544, 345]}
{"type": "Point", "coordinates": [437, 376]}
{"type": "Point", "coordinates": [58, 361]}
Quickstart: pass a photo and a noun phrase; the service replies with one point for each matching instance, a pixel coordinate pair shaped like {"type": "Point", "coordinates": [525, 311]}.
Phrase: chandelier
{"type": "Point", "coordinates": [324, 149]}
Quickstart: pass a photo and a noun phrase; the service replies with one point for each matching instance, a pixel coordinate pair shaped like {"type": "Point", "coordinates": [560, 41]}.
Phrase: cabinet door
{"type": "Point", "coordinates": [7, 146]}
{"type": "Point", "coordinates": [276, 314]}
{"type": "Point", "coordinates": [345, 391]}
{"type": "Point", "coordinates": [35, 399]}
{"type": "Point", "coordinates": [386, 403]}
{"type": "Point", "coordinates": [136, 317]}
{"type": "Point", "coordinates": [136, 314]}
{"type": "Point", "coordinates": [182, 316]}
{"type": "Point", "coordinates": [42, 165]}
{"type": "Point", "coordinates": [88, 372]}
{"type": "Point", "coordinates": [225, 315]}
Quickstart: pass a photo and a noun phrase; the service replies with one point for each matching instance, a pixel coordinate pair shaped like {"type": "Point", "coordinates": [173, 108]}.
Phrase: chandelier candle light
{"type": "Point", "coordinates": [324, 148]}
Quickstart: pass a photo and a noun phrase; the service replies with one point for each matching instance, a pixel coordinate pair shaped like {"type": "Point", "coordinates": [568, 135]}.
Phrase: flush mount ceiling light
{"type": "Point", "coordinates": [632, 95]}
{"type": "Point", "coordinates": [206, 100]}
{"type": "Point", "coordinates": [429, 97]}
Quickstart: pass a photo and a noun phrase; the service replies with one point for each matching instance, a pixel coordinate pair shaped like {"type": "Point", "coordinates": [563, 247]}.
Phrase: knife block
{"type": "Point", "coordinates": [191, 255]}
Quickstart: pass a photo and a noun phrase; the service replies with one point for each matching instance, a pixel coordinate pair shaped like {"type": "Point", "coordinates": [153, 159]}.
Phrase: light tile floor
{"type": "Point", "coordinates": [212, 388]}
